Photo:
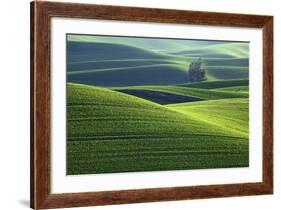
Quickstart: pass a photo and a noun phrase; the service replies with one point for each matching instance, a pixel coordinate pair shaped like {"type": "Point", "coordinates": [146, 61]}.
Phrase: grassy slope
{"type": "Point", "coordinates": [231, 112]}
{"type": "Point", "coordinates": [107, 64]}
{"type": "Point", "coordinates": [137, 42]}
{"type": "Point", "coordinates": [223, 50]}
{"type": "Point", "coordinates": [118, 64]}
{"type": "Point", "coordinates": [191, 92]}
{"type": "Point", "coordinates": [242, 62]}
{"type": "Point", "coordinates": [160, 97]}
{"type": "Point", "coordinates": [217, 84]}
{"type": "Point", "coordinates": [238, 50]}
{"type": "Point", "coordinates": [93, 51]}
{"type": "Point", "coordinates": [227, 72]}
{"type": "Point", "coordinates": [198, 90]}
{"type": "Point", "coordinates": [114, 132]}
{"type": "Point", "coordinates": [235, 89]}
{"type": "Point", "coordinates": [148, 43]}
{"type": "Point", "coordinates": [142, 75]}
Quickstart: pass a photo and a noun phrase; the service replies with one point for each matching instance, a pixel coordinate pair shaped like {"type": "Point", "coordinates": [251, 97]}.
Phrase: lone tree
{"type": "Point", "coordinates": [196, 72]}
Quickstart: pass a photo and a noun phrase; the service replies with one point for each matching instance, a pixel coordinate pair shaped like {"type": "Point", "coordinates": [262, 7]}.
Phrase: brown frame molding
{"type": "Point", "coordinates": [41, 14]}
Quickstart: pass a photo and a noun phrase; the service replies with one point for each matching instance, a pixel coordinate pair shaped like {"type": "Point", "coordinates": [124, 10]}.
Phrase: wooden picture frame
{"type": "Point", "coordinates": [41, 14]}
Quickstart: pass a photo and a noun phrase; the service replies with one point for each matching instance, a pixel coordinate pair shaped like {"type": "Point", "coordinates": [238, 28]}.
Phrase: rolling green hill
{"type": "Point", "coordinates": [210, 111]}
{"type": "Point", "coordinates": [160, 97]}
{"type": "Point", "coordinates": [118, 63]}
{"type": "Point", "coordinates": [205, 54]}
{"type": "Point", "coordinates": [89, 51]}
{"type": "Point", "coordinates": [217, 84]}
{"type": "Point", "coordinates": [190, 92]}
{"type": "Point", "coordinates": [235, 89]}
{"type": "Point", "coordinates": [157, 44]}
{"type": "Point", "coordinates": [238, 50]}
{"type": "Point", "coordinates": [108, 64]}
{"type": "Point", "coordinates": [131, 106]}
{"type": "Point", "coordinates": [242, 62]}
{"type": "Point", "coordinates": [227, 72]}
{"type": "Point", "coordinates": [109, 131]}
{"type": "Point", "coordinates": [141, 75]}
{"type": "Point", "coordinates": [113, 64]}
{"type": "Point", "coordinates": [223, 50]}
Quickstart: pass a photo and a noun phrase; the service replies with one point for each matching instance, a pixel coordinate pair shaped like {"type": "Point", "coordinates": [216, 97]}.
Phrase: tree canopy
{"type": "Point", "coordinates": [196, 71]}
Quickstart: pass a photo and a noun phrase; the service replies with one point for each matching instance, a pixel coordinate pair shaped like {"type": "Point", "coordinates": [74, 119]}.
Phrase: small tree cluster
{"type": "Point", "coordinates": [196, 72]}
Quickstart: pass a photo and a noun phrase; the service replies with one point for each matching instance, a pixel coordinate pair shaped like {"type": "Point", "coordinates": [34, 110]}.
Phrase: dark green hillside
{"type": "Point", "coordinates": [113, 132]}
{"type": "Point", "coordinates": [198, 93]}
{"type": "Point", "coordinates": [160, 97]}
{"type": "Point", "coordinates": [148, 43]}
{"type": "Point", "coordinates": [107, 64]}
{"type": "Point", "coordinates": [235, 89]}
{"type": "Point", "coordinates": [89, 51]}
{"type": "Point", "coordinates": [227, 72]}
{"type": "Point", "coordinates": [204, 54]}
{"type": "Point", "coordinates": [217, 84]}
{"type": "Point", "coordinates": [243, 62]}
{"type": "Point", "coordinates": [116, 64]}
{"type": "Point", "coordinates": [222, 51]}
{"type": "Point", "coordinates": [163, 74]}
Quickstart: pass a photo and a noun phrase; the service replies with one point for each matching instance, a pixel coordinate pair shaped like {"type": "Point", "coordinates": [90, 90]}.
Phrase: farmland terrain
{"type": "Point", "coordinates": [131, 106]}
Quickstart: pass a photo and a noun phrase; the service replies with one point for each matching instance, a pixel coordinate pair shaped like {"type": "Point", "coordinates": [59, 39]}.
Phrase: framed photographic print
{"type": "Point", "coordinates": [136, 105]}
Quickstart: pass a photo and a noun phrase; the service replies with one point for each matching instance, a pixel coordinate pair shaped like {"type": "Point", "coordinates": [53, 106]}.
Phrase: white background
{"type": "Point", "coordinates": [14, 103]}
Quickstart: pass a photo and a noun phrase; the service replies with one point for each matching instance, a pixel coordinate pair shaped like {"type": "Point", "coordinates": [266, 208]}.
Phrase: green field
{"type": "Point", "coordinates": [132, 108]}
{"type": "Point", "coordinates": [193, 92]}
{"type": "Point", "coordinates": [110, 131]}
{"type": "Point", "coordinates": [109, 61]}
